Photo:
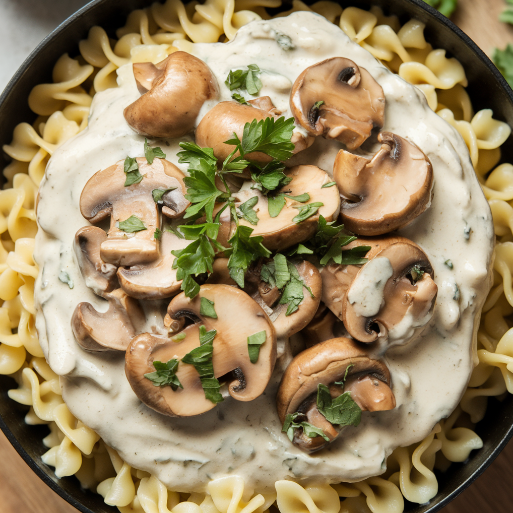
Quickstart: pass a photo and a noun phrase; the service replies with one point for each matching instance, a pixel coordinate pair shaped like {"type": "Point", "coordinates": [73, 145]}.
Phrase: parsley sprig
{"type": "Point", "coordinates": [165, 374]}
{"type": "Point", "coordinates": [291, 424]}
{"type": "Point", "coordinates": [245, 79]}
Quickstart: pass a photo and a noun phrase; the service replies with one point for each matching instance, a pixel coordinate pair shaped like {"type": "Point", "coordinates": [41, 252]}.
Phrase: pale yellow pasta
{"type": "Point", "coordinates": [152, 34]}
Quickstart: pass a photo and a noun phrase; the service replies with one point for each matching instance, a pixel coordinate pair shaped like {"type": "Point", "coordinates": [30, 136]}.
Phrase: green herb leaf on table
{"type": "Point", "coordinates": [342, 411]}
{"type": "Point", "coordinates": [306, 211]}
{"type": "Point", "coordinates": [207, 308]}
{"type": "Point", "coordinates": [255, 341]}
{"type": "Point", "coordinates": [446, 7]}
{"type": "Point", "coordinates": [309, 430]}
{"type": "Point", "coordinates": [201, 358]}
{"type": "Point", "coordinates": [165, 374]}
{"type": "Point", "coordinates": [152, 153]}
{"type": "Point", "coordinates": [503, 59]}
{"type": "Point", "coordinates": [245, 79]}
{"type": "Point", "coordinates": [247, 212]}
{"type": "Point", "coordinates": [245, 249]}
{"type": "Point", "coordinates": [131, 169]}
{"type": "Point", "coordinates": [159, 193]}
{"type": "Point", "coordinates": [131, 225]}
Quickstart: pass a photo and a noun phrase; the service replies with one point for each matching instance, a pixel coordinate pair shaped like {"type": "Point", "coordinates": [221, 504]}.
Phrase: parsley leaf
{"type": "Point", "coordinates": [165, 374]}
{"type": "Point", "coordinates": [131, 225]}
{"type": "Point", "coordinates": [416, 273]}
{"type": "Point", "coordinates": [342, 410]}
{"type": "Point", "coordinates": [66, 278]}
{"type": "Point", "coordinates": [329, 184]}
{"type": "Point", "coordinates": [247, 211]}
{"type": "Point", "coordinates": [281, 270]}
{"type": "Point", "coordinates": [284, 41]}
{"type": "Point", "coordinates": [201, 358]}
{"type": "Point", "coordinates": [239, 98]}
{"type": "Point", "coordinates": [306, 211]}
{"type": "Point", "coordinates": [131, 169]}
{"type": "Point", "coordinates": [270, 136]}
{"type": "Point", "coordinates": [152, 153]}
{"type": "Point", "coordinates": [207, 308]}
{"type": "Point", "coordinates": [245, 79]}
{"type": "Point", "coordinates": [275, 204]}
{"type": "Point", "coordinates": [245, 249]}
{"type": "Point", "coordinates": [254, 342]}
{"type": "Point", "coordinates": [159, 193]}
{"type": "Point", "coordinates": [302, 198]}
{"type": "Point", "coordinates": [503, 59]}
{"type": "Point", "coordinates": [170, 229]}
{"type": "Point", "coordinates": [343, 381]}
{"type": "Point", "coordinates": [446, 7]}
{"type": "Point", "coordinates": [270, 177]}
{"type": "Point", "coordinates": [309, 430]}
{"type": "Point", "coordinates": [157, 234]}
{"type": "Point", "coordinates": [449, 264]}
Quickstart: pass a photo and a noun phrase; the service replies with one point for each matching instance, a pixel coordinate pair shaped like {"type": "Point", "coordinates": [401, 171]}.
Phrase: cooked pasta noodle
{"type": "Point", "coordinates": [63, 107]}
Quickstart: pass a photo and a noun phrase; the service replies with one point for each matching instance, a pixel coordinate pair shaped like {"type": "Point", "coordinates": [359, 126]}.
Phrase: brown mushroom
{"type": "Point", "coordinates": [226, 118]}
{"type": "Point", "coordinates": [98, 275]}
{"type": "Point", "coordinates": [112, 330]}
{"type": "Point", "coordinates": [389, 297]}
{"type": "Point", "coordinates": [282, 231]}
{"type": "Point", "coordinates": [339, 100]}
{"type": "Point", "coordinates": [106, 195]}
{"type": "Point", "coordinates": [386, 193]}
{"type": "Point", "coordinates": [330, 362]}
{"type": "Point", "coordinates": [174, 91]}
{"type": "Point", "coordinates": [320, 328]}
{"type": "Point", "coordinates": [268, 297]}
{"type": "Point", "coordinates": [238, 317]}
{"type": "Point", "coordinates": [156, 280]}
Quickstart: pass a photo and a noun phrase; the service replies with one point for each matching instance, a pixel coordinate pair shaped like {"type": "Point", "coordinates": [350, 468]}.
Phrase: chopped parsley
{"type": "Point", "coordinates": [131, 169]}
{"type": "Point", "coordinates": [416, 273]}
{"type": "Point", "coordinates": [159, 193]}
{"type": "Point", "coordinates": [239, 98]}
{"type": "Point", "coordinates": [449, 264]}
{"type": "Point", "coordinates": [255, 341]}
{"type": "Point", "coordinates": [165, 374]}
{"type": "Point", "coordinates": [341, 411]}
{"type": "Point", "coordinates": [201, 358]}
{"type": "Point", "coordinates": [65, 278]}
{"type": "Point", "coordinates": [247, 212]}
{"type": "Point", "coordinates": [309, 430]}
{"type": "Point", "coordinates": [284, 41]}
{"type": "Point", "coordinates": [245, 79]}
{"type": "Point", "coordinates": [152, 153]}
{"type": "Point", "coordinates": [207, 308]}
{"type": "Point", "coordinates": [157, 234]}
{"type": "Point", "coordinates": [131, 225]}
{"type": "Point", "coordinates": [306, 211]}
{"type": "Point", "coordinates": [329, 184]}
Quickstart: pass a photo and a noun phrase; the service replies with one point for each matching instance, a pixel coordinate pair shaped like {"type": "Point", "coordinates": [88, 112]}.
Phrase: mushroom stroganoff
{"type": "Point", "coordinates": [265, 293]}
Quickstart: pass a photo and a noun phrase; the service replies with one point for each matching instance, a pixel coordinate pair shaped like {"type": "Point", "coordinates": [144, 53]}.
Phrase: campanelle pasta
{"type": "Point", "coordinates": [63, 107]}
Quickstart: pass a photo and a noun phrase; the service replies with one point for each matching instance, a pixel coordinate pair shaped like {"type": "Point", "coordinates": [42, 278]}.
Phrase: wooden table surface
{"type": "Point", "coordinates": [22, 491]}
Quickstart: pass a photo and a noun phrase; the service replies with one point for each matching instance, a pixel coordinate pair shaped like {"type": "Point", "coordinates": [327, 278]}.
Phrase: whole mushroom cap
{"type": "Point", "coordinates": [339, 100]}
{"type": "Point", "coordinates": [176, 89]}
{"type": "Point", "coordinates": [386, 193]}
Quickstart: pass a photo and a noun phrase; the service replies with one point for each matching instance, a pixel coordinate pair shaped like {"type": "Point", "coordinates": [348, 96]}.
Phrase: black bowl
{"type": "Point", "coordinates": [487, 89]}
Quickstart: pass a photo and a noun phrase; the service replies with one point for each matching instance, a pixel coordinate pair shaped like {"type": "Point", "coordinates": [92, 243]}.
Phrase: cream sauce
{"type": "Point", "coordinates": [429, 375]}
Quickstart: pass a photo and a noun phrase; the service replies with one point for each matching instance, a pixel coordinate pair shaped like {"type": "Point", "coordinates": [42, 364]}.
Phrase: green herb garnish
{"type": "Point", "coordinates": [152, 153]}
{"type": "Point", "coordinates": [247, 212]}
{"type": "Point", "coordinates": [416, 273]}
{"type": "Point", "coordinates": [157, 234]}
{"type": "Point", "coordinates": [503, 59]}
{"type": "Point", "coordinates": [239, 98]}
{"type": "Point", "coordinates": [255, 341]}
{"type": "Point", "coordinates": [131, 225]}
{"type": "Point", "coordinates": [207, 308]}
{"type": "Point", "coordinates": [449, 264]}
{"type": "Point", "coordinates": [201, 358]}
{"type": "Point", "coordinates": [309, 430]}
{"type": "Point", "coordinates": [446, 7]}
{"type": "Point", "coordinates": [159, 193]}
{"type": "Point", "coordinates": [65, 278]}
{"type": "Point", "coordinates": [306, 211]}
{"type": "Point", "coordinates": [329, 184]}
{"type": "Point", "coordinates": [165, 374]}
{"type": "Point", "coordinates": [342, 411]}
{"type": "Point", "coordinates": [131, 169]}
{"type": "Point", "coordinates": [245, 79]}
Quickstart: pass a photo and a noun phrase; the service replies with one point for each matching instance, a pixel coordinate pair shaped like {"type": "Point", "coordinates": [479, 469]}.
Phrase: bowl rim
{"type": "Point", "coordinates": [93, 4]}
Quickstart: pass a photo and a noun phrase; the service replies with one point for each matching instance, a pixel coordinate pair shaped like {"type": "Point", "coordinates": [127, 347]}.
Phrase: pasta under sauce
{"type": "Point", "coordinates": [429, 374]}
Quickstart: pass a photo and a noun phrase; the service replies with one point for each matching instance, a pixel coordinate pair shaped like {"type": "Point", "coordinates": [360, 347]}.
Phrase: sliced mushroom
{"type": "Point", "coordinates": [339, 100]}
{"type": "Point", "coordinates": [98, 275]}
{"type": "Point", "coordinates": [320, 328]}
{"type": "Point", "coordinates": [173, 92]}
{"type": "Point", "coordinates": [282, 231]}
{"type": "Point", "coordinates": [112, 330]}
{"type": "Point", "coordinates": [389, 297]}
{"type": "Point", "coordinates": [238, 317]}
{"type": "Point", "coordinates": [105, 195]}
{"type": "Point", "coordinates": [367, 380]}
{"type": "Point", "coordinates": [268, 298]}
{"type": "Point", "coordinates": [386, 193]}
{"type": "Point", "coordinates": [226, 118]}
{"type": "Point", "coordinates": [158, 279]}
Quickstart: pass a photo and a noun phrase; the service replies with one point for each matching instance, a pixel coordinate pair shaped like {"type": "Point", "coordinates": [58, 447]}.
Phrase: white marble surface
{"type": "Point", "coordinates": [23, 24]}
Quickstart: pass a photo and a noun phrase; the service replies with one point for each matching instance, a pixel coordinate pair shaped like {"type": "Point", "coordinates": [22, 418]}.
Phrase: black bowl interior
{"type": "Point", "coordinates": [487, 88]}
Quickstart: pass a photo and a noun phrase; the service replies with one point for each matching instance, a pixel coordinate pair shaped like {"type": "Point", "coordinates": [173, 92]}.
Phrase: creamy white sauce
{"type": "Point", "coordinates": [366, 291]}
{"type": "Point", "coordinates": [245, 439]}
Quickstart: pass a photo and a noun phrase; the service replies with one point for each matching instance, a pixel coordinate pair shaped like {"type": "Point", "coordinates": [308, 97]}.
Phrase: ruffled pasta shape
{"type": "Point", "coordinates": [293, 498]}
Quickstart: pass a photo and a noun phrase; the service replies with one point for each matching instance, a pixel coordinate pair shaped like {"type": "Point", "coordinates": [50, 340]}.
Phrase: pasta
{"type": "Point", "coordinates": [152, 34]}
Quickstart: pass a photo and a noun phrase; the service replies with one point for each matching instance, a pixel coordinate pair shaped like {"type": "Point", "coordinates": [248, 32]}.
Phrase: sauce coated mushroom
{"type": "Point", "coordinates": [386, 193]}
{"type": "Point", "coordinates": [342, 365]}
{"type": "Point", "coordinates": [389, 297]}
{"type": "Point", "coordinates": [173, 92]}
{"type": "Point", "coordinates": [106, 195]}
{"type": "Point", "coordinates": [238, 317]}
{"type": "Point", "coordinates": [339, 100]}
